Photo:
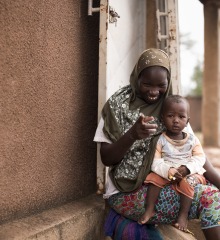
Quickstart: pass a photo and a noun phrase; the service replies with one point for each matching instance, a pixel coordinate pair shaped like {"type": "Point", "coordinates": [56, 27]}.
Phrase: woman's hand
{"type": "Point", "coordinates": [113, 153]}
{"type": "Point", "coordinates": [142, 128]}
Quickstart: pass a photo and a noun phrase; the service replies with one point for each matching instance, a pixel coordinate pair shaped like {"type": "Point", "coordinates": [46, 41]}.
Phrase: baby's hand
{"type": "Point", "coordinates": [174, 175]}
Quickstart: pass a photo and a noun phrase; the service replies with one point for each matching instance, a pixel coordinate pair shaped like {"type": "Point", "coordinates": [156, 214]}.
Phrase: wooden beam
{"type": "Point", "coordinates": [214, 2]}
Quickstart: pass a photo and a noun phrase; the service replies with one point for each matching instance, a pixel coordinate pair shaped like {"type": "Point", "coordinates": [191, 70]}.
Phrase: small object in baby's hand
{"type": "Point", "coordinates": [172, 177]}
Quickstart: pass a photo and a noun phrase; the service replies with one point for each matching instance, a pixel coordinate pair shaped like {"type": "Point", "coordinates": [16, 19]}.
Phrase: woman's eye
{"type": "Point", "coordinates": [146, 85]}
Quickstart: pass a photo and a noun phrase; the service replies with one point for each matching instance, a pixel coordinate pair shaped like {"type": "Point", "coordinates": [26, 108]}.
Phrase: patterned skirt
{"type": "Point", "coordinates": [205, 206]}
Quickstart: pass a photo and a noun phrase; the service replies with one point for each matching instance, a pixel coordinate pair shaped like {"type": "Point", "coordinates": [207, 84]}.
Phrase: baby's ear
{"type": "Point", "coordinates": [188, 120]}
{"type": "Point", "coordinates": [161, 118]}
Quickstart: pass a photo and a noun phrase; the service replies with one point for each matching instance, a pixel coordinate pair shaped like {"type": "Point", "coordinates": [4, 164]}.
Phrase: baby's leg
{"type": "Point", "coordinates": [182, 220]}
{"type": "Point", "coordinates": [152, 195]}
{"type": "Point", "coordinates": [186, 189]}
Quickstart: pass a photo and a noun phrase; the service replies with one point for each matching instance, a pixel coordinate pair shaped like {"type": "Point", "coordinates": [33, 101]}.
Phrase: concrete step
{"type": "Point", "coordinates": [78, 220]}
{"type": "Point", "coordinates": [171, 233]}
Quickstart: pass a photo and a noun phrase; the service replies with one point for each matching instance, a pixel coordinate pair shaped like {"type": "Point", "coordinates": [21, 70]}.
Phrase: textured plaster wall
{"type": "Point", "coordinates": [48, 104]}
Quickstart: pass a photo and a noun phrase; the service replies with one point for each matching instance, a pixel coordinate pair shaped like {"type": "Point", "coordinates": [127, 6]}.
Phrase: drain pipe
{"type": "Point", "coordinates": [91, 9]}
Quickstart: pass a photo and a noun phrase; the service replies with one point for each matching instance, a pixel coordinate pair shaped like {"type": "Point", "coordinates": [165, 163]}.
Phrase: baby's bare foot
{"type": "Point", "coordinates": [146, 217]}
{"type": "Point", "coordinates": [181, 223]}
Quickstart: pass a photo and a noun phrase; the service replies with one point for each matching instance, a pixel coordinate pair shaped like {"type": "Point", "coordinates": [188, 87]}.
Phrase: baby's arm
{"type": "Point", "coordinates": [159, 166]}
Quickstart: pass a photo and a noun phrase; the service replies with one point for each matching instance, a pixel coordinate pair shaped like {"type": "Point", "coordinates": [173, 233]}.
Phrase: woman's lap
{"type": "Point", "coordinates": [205, 205]}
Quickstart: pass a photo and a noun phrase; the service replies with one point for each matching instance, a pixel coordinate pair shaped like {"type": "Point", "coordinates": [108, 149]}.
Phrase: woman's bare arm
{"type": "Point", "coordinates": [113, 153]}
{"type": "Point", "coordinates": [211, 174]}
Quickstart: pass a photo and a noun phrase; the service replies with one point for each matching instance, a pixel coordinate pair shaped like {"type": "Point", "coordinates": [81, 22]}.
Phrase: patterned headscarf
{"type": "Point", "coordinates": [120, 113]}
{"type": "Point", "coordinates": [150, 57]}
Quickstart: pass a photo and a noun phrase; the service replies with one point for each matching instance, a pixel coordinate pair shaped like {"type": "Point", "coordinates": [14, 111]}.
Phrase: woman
{"type": "Point", "coordinates": [128, 132]}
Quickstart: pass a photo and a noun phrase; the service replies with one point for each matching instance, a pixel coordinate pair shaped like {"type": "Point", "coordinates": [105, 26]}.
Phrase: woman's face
{"type": "Point", "coordinates": [152, 84]}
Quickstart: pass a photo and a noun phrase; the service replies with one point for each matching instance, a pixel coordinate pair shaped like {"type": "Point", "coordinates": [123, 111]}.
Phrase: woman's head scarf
{"type": "Point", "coordinates": [149, 58]}
{"type": "Point", "coordinates": [125, 103]}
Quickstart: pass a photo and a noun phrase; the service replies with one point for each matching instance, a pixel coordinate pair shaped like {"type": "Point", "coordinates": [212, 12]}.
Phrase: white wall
{"type": "Point", "coordinates": [126, 41]}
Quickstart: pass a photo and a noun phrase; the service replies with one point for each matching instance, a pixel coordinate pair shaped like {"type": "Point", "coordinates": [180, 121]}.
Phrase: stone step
{"type": "Point", "coordinates": [78, 220]}
{"type": "Point", "coordinates": [169, 232]}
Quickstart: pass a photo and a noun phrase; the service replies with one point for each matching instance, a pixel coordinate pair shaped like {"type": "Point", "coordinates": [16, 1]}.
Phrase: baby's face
{"type": "Point", "coordinates": [175, 116]}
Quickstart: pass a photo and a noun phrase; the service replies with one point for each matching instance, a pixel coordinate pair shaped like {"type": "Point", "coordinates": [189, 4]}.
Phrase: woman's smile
{"type": "Point", "coordinates": [152, 99]}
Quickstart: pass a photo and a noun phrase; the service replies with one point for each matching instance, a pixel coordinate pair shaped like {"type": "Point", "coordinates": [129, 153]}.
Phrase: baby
{"type": "Point", "coordinates": [175, 148]}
